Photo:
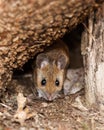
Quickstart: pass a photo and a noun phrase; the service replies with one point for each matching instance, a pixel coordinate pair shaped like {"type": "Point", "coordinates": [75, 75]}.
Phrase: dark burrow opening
{"type": "Point", "coordinates": [73, 40]}
{"type": "Point", "coordinates": [22, 78]}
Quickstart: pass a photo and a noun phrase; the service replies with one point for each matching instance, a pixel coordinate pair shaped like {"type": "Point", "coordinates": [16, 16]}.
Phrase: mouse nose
{"type": "Point", "coordinates": [49, 97]}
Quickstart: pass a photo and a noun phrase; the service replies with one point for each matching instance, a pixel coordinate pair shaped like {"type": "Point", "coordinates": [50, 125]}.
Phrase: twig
{"type": "Point", "coordinates": [4, 105]}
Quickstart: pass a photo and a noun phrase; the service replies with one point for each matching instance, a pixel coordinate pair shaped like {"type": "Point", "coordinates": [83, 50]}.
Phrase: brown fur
{"type": "Point", "coordinates": [50, 71]}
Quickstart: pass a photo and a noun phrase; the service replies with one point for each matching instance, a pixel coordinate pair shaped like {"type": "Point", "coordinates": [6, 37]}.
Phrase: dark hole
{"type": "Point", "coordinates": [73, 40]}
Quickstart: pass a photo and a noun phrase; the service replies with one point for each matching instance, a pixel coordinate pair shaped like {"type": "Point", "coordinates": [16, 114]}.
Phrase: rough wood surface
{"type": "Point", "coordinates": [27, 26]}
{"type": "Point", "coordinates": [93, 55]}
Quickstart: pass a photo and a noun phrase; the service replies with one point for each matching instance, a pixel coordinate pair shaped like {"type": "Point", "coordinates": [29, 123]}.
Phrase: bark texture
{"type": "Point", "coordinates": [28, 26]}
{"type": "Point", "coordinates": [93, 55]}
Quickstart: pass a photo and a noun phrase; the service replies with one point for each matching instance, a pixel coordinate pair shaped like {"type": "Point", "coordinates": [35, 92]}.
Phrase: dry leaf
{"type": "Point", "coordinates": [21, 100]}
{"type": "Point", "coordinates": [21, 113]}
{"type": "Point", "coordinates": [78, 104]}
{"type": "Point", "coordinates": [1, 114]}
{"type": "Point", "coordinates": [74, 81]}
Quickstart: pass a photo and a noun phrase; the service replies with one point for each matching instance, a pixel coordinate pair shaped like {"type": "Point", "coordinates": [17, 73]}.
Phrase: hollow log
{"type": "Point", "coordinates": [93, 57]}
{"type": "Point", "coordinates": [28, 26]}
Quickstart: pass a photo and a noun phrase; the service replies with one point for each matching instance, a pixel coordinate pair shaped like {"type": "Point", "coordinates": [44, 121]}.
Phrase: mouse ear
{"type": "Point", "coordinates": [62, 62]}
{"type": "Point", "coordinates": [42, 60]}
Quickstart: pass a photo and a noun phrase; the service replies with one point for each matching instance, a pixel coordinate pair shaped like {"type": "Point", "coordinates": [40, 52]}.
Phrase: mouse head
{"type": "Point", "coordinates": [49, 76]}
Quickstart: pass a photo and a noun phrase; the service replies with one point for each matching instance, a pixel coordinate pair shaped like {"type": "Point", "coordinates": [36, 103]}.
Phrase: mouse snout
{"type": "Point", "coordinates": [51, 96]}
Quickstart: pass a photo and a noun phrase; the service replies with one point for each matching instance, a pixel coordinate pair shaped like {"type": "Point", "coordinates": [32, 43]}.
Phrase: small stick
{"type": "Point", "coordinates": [4, 105]}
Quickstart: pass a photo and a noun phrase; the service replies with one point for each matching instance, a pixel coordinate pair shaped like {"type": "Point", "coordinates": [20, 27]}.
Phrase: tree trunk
{"type": "Point", "coordinates": [93, 57]}
{"type": "Point", "coordinates": [28, 26]}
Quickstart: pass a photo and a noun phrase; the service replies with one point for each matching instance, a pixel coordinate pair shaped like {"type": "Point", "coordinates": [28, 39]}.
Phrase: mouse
{"type": "Point", "coordinates": [50, 69]}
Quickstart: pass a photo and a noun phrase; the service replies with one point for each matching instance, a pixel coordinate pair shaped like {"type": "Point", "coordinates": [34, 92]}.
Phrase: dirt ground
{"type": "Point", "coordinates": [65, 113]}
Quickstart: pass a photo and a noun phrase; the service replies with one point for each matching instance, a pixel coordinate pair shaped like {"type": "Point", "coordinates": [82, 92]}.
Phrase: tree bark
{"type": "Point", "coordinates": [28, 26]}
{"type": "Point", "coordinates": [93, 56]}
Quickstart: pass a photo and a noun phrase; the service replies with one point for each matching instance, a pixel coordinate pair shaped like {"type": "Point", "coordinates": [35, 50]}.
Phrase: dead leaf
{"type": "Point", "coordinates": [21, 100]}
{"type": "Point", "coordinates": [22, 114]}
{"type": "Point", "coordinates": [74, 81]}
{"type": "Point", "coordinates": [78, 104]}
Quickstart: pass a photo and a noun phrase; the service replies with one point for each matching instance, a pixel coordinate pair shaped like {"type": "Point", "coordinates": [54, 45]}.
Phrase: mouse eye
{"type": "Point", "coordinates": [57, 82]}
{"type": "Point", "coordinates": [43, 82]}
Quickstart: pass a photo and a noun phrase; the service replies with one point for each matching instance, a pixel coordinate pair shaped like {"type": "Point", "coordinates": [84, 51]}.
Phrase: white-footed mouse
{"type": "Point", "coordinates": [50, 69]}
